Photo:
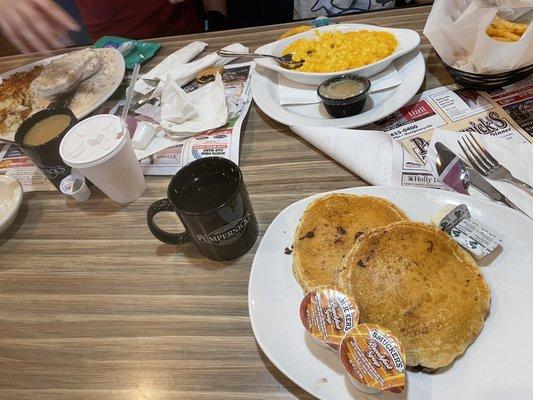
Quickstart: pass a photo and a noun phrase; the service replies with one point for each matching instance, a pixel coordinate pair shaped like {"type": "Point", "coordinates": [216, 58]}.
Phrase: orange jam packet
{"type": "Point", "coordinates": [327, 315]}
{"type": "Point", "coordinates": [374, 359]}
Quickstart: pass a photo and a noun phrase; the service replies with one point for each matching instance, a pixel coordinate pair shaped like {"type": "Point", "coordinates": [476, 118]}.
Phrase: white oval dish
{"type": "Point", "coordinates": [408, 40]}
{"type": "Point", "coordinates": [265, 91]}
{"type": "Point", "coordinates": [10, 200]}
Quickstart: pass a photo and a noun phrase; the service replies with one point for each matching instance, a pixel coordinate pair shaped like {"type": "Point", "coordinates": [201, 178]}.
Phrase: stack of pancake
{"type": "Point", "coordinates": [406, 276]}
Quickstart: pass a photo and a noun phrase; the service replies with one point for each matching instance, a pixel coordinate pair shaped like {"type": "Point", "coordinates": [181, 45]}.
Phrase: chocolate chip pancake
{"type": "Point", "coordinates": [416, 281]}
{"type": "Point", "coordinates": [328, 229]}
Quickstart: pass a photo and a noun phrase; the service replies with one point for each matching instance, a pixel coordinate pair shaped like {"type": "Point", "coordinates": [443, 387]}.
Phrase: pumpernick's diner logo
{"type": "Point", "coordinates": [228, 234]}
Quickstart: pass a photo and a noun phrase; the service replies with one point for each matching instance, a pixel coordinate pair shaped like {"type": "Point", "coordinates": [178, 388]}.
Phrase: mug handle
{"type": "Point", "coordinates": [164, 236]}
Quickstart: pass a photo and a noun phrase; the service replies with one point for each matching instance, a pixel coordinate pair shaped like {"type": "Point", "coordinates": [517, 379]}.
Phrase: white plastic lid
{"type": "Point", "coordinates": [93, 141]}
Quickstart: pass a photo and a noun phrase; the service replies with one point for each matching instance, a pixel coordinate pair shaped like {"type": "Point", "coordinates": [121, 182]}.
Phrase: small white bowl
{"type": "Point", "coordinates": [407, 39]}
{"type": "Point", "coordinates": [10, 200]}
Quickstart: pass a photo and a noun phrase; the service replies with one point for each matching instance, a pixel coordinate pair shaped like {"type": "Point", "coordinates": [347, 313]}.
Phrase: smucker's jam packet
{"type": "Point", "coordinates": [137, 53]}
{"type": "Point", "coordinates": [327, 315]}
{"type": "Point", "coordinates": [372, 356]}
{"type": "Point", "coordinates": [374, 359]}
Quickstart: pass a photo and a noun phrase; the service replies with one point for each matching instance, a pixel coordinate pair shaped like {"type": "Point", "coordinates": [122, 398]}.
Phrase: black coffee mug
{"type": "Point", "coordinates": [46, 156]}
{"type": "Point", "coordinates": [210, 198]}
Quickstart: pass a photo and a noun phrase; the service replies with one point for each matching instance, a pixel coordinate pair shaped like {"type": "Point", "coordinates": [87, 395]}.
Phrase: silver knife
{"type": "Point", "coordinates": [457, 174]}
{"type": "Point", "coordinates": [477, 180]}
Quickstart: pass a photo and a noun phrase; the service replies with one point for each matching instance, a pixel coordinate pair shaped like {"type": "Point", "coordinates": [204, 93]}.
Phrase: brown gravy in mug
{"type": "Point", "coordinates": [46, 130]}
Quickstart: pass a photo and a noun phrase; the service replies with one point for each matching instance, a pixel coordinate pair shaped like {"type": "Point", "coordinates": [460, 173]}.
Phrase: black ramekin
{"type": "Point", "coordinates": [341, 108]}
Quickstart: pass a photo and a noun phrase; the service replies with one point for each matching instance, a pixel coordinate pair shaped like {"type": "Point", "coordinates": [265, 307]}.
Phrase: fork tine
{"type": "Point", "coordinates": [479, 158]}
{"type": "Point", "coordinates": [480, 151]}
{"type": "Point", "coordinates": [471, 160]}
{"type": "Point", "coordinates": [484, 151]}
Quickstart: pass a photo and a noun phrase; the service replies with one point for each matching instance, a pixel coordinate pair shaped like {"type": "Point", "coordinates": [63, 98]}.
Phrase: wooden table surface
{"type": "Point", "coordinates": [93, 307]}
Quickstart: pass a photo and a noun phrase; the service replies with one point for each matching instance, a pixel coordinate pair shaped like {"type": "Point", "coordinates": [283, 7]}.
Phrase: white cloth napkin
{"type": "Point", "coordinates": [185, 114]}
{"type": "Point", "coordinates": [514, 156]}
{"type": "Point", "coordinates": [179, 57]}
{"type": "Point", "coordinates": [291, 93]}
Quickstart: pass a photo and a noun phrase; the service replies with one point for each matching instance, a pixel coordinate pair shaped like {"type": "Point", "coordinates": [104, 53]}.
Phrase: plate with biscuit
{"type": "Point", "coordinates": [462, 317]}
{"type": "Point", "coordinates": [93, 75]}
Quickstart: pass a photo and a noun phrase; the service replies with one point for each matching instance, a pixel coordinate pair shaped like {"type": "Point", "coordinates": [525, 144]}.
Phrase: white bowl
{"type": "Point", "coordinates": [407, 39]}
{"type": "Point", "coordinates": [10, 200]}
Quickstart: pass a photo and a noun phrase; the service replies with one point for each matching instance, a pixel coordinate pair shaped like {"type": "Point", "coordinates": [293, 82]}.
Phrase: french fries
{"type": "Point", "coordinates": [514, 27]}
{"type": "Point", "coordinates": [505, 31]}
{"type": "Point", "coordinates": [503, 39]}
{"type": "Point", "coordinates": [502, 33]}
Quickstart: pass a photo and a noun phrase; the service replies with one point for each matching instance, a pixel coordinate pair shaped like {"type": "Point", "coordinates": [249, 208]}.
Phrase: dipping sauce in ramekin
{"type": "Point", "coordinates": [344, 95]}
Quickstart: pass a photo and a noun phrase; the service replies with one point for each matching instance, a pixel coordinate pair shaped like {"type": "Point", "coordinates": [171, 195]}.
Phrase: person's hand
{"type": "Point", "coordinates": [36, 25]}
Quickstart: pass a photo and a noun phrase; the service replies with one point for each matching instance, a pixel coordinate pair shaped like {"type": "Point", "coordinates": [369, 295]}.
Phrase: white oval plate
{"type": "Point", "coordinates": [411, 68]}
{"type": "Point", "coordinates": [116, 81]}
{"type": "Point", "coordinates": [496, 366]}
{"type": "Point", "coordinates": [407, 39]}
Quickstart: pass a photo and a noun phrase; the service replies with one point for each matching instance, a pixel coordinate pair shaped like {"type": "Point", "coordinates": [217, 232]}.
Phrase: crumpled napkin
{"type": "Point", "coordinates": [184, 73]}
{"type": "Point", "coordinates": [160, 71]}
{"type": "Point", "coordinates": [185, 114]}
{"type": "Point", "coordinates": [294, 93]}
{"type": "Point", "coordinates": [513, 155]}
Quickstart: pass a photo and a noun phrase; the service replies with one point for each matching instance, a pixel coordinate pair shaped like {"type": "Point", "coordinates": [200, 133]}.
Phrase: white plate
{"type": "Point", "coordinates": [10, 200]}
{"type": "Point", "coordinates": [411, 68]}
{"type": "Point", "coordinates": [115, 82]}
{"type": "Point", "coordinates": [407, 39]}
{"type": "Point", "coordinates": [496, 366]}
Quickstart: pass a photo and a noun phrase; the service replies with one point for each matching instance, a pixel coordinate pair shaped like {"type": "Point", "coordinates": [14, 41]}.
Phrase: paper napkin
{"type": "Point", "coordinates": [179, 57]}
{"type": "Point", "coordinates": [180, 70]}
{"type": "Point", "coordinates": [513, 155]}
{"type": "Point", "coordinates": [369, 154]}
{"type": "Point", "coordinates": [183, 74]}
{"type": "Point", "coordinates": [294, 93]}
{"type": "Point", "coordinates": [185, 114]}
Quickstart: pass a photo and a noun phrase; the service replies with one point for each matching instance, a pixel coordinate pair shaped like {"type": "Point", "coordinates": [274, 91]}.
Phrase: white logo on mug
{"type": "Point", "coordinates": [228, 234]}
{"type": "Point", "coordinates": [53, 172]}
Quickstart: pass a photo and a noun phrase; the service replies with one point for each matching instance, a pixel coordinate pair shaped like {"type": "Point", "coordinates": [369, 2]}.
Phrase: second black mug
{"type": "Point", "coordinates": [210, 198]}
{"type": "Point", "coordinates": [46, 156]}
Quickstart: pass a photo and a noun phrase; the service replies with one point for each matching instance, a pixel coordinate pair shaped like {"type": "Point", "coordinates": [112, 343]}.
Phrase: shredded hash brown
{"type": "Point", "coordinates": [15, 100]}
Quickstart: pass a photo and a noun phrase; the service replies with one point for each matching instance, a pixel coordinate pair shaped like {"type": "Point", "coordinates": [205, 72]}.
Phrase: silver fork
{"type": "Point", "coordinates": [285, 61]}
{"type": "Point", "coordinates": [485, 164]}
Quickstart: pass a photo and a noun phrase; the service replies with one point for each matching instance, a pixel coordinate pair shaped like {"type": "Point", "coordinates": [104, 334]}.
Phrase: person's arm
{"type": "Point", "coordinates": [35, 25]}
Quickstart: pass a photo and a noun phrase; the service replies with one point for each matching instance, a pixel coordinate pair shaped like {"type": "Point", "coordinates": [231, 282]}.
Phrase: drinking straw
{"type": "Point", "coordinates": [129, 91]}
